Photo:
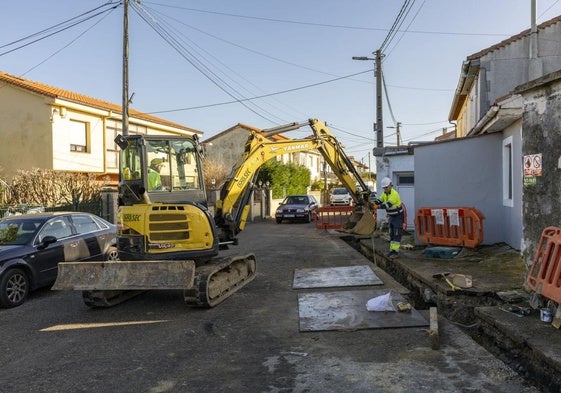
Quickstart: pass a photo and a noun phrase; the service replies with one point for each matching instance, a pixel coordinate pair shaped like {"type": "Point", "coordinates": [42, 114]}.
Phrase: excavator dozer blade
{"type": "Point", "coordinates": [360, 223]}
{"type": "Point", "coordinates": [125, 275]}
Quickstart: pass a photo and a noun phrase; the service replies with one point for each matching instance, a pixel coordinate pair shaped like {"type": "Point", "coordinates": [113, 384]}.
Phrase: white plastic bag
{"type": "Point", "coordinates": [381, 303]}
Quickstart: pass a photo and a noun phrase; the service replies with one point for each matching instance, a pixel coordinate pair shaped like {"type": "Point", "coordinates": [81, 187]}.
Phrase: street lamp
{"type": "Point", "coordinates": [379, 127]}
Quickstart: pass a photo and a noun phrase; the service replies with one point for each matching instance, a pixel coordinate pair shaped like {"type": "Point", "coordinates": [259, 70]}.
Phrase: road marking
{"type": "Point", "coordinates": [97, 325]}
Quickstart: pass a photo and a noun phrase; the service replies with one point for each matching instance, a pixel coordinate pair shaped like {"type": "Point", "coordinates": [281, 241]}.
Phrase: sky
{"type": "Point", "coordinates": [210, 65]}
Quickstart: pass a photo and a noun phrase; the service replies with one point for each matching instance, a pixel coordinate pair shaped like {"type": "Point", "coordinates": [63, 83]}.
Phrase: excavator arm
{"type": "Point", "coordinates": [232, 208]}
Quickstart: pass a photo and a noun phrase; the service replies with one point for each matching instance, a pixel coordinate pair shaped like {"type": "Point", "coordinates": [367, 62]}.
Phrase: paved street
{"type": "Point", "coordinates": [250, 343]}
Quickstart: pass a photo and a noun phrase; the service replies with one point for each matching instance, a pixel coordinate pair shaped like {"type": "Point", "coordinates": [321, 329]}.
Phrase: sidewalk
{"type": "Point", "coordinates": [528, 345]}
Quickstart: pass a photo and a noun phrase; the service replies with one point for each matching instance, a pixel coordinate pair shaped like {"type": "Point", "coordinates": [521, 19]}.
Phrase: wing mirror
{"type": "Point", "coordinates": [49, 239]}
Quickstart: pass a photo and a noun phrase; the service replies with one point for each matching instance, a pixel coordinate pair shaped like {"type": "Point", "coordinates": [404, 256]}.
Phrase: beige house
{"type": "Point", "coordinates": [47, 127]}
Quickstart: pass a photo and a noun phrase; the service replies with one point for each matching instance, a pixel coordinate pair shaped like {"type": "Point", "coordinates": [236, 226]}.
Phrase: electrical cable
{"type": "Point", "coordinates": [66, 27]}
{"type": "Point", "coordinates": [196, 62]}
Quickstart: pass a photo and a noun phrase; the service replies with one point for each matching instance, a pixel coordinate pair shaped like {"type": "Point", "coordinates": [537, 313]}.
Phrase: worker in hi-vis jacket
{"type": "Point", "coordinates": [391, 202]}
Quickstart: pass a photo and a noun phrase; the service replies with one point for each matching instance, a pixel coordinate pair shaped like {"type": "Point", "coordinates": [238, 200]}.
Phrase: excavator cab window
{"type": "Point", "coordinates": [167, 168]}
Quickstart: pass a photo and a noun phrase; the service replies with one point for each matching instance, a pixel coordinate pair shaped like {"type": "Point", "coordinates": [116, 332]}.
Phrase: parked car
{"type": "Point", "coordinates": [31, 245]}
{"type": "Point", "coordinates": [297, 207]}
{"type": "Point", "coordinates": [340, 196]}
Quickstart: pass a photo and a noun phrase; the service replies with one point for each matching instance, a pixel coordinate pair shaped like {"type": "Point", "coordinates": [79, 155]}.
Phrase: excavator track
{"type": "Point", "coordinates": [219, 279]}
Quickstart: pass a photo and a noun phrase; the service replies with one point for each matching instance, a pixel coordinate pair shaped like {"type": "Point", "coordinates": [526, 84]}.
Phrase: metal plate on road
{"type": "Point", "coordinates": [345, 276]}
{"type": "Point", "coordinates": [346, 310]}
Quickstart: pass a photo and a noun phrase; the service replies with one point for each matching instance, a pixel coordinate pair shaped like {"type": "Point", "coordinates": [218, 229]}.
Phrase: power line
{"type": "Point", "coordinates": [198, 64]}
{"type": "Point", "coordinates": [262, 96]}
{"type": "Point", "coordinates": [60, 27]}
{"type": "Point", "coordinates": [325, 24]}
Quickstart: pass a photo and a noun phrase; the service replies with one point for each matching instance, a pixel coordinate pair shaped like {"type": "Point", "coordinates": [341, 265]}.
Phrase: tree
{"type": "Point", "coordinates": [285, 179]}
{"type": "Point", "coordinates": [217, 171]}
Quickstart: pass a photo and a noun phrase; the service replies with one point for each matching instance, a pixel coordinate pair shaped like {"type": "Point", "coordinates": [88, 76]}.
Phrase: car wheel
{"type": "Point", "coordinates": [14, 288]}
{"type": "Point", "coordinates": [279, 220]}
{"type": "Point", "coordinates": [112, 254]}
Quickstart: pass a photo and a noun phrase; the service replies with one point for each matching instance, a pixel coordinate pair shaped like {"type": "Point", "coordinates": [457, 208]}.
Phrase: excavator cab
{"type": "Point", "coordinates": [160, 168]}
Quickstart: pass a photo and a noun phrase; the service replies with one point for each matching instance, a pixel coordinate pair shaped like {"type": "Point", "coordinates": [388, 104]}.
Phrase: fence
{"type": "Point", "coordinates": [332, 217]}
{"type": "Point", "coordinates": [450, 226]}
{"type": "Point", "coordinates": [94, 207]}
{"type": "Point", "coordinates": [544, 277]}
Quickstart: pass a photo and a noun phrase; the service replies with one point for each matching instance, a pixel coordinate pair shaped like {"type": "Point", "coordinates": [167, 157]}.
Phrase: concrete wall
{"type": "Point", "coordinates": [542, 135]}
{"type": "Point", "coordinates": [464, 172]}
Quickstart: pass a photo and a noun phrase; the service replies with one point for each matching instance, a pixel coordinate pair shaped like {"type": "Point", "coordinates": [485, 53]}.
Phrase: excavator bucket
{"type": "Point", "coordinates": [125, 275]}
{"type": "Point", "coordinates": [360, 223]}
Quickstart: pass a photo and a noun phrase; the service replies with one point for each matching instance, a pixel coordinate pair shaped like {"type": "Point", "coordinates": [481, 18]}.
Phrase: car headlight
{"type": "Point", "coordinates": [300, 210]}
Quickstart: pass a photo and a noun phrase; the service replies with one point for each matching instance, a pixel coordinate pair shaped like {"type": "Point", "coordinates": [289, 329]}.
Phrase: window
{"type": "Point", "coordinates": [84, 224]}
{"type": "Point", "coordinates": [79, 136]}
{"type": "Point", "coordinates": [405, 179]}
{"type": "Point", "coordinates": [507, 172]}
{"type": "Point", "coordinates": [58, 227]}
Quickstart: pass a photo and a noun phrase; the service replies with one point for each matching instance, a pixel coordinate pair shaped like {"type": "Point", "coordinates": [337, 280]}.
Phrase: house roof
{"type": "Point", "coordinates": [470, 67]}
{"type": "Point", "coordinates": [512, 39]}
{"type": "Point", "coordinates": [55, 92]}
{"type": "Point", "coordinates": [276, 137]}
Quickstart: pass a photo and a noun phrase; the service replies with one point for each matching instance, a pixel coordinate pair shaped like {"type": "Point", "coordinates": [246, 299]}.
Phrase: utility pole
{"type": "Point", "coordinates": [369, 168]}
{"type": "Point", "coordinates": [379, 116]}
{"type": "Point", "coordinates": [125, 120]}
{"type": "Point", "coordinates": [398, 133]}
{"type": "Point", "coordinates": [379, 126]}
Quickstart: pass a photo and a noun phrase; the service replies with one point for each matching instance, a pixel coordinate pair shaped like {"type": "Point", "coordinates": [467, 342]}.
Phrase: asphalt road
{"type": "Point", "coordinates": [250, 343]}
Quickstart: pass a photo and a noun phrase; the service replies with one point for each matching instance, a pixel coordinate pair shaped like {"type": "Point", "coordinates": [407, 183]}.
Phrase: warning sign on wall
{"type": "Point", "coordinates": [533, 165]}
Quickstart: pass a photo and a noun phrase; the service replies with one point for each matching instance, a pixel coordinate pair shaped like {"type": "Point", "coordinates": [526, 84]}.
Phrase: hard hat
{"type": "Point", "coordinates": [386, 182]}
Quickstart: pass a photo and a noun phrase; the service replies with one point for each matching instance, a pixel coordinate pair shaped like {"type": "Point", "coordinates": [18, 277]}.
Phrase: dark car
{"type": "Point", "coordinates": [31, 246]}
{"type": "Point", "coordinates": [297, 207]}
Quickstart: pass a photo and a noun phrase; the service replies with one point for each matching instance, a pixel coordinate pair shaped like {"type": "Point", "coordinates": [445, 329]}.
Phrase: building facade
{"type": "Point", "coordinates": [46, 127]}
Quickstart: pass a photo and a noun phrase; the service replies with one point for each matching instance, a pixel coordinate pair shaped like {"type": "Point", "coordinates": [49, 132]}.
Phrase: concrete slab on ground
{"type": "Point", "coordinates": [346, 310]}
{"type": "Point", "coordinates": [340, 276]}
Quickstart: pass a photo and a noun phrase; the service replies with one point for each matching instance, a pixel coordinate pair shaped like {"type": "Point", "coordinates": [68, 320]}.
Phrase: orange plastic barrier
{"type": "Point", "coordinates": [544, 276]}
{"type": "Point", "coordinates": [450, 226]}
{"type": "Point", "coordinates": [332, 217]}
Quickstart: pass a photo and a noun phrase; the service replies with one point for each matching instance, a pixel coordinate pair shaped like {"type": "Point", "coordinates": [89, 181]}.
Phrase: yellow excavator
{"type": "Point", "coordinates": [168, 239]}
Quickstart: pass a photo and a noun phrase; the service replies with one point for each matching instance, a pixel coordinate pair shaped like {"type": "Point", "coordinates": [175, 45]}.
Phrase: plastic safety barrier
{"type": "Point", "coordinates": [544, 277]}
{"type": "Point", "coordinates": [450, 226]}
{"type": "Point", "coordinates": [332, 217]}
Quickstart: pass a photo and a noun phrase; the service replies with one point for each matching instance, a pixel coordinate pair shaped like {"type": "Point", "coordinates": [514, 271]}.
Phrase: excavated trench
{"type": "Point", "coordinates": [460, 308]}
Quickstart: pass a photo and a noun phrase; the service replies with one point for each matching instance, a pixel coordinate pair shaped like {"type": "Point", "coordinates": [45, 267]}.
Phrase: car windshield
{"type": "Point", "coordinates": [340, 191]}
{"type": "Point", "coordinates": [296, 200]}
{"type": "Point", "coordinates": [18, 232]}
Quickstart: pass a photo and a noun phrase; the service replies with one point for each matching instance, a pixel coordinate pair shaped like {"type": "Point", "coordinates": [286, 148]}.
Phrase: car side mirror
{"type": "Point", "coordinates": [49, 239]}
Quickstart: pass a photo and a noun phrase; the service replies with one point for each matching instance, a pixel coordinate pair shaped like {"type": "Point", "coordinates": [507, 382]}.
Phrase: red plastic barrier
{"type": "Point", "coordinates": [450, 226]}
{"type": "Point", "coordinates": [544, 276]}
{"type": "Point", "coordinates": [332, 217]}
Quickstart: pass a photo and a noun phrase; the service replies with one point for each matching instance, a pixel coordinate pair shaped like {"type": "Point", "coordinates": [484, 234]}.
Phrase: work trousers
{"type": "Point", "coordinates": [396, 230]}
